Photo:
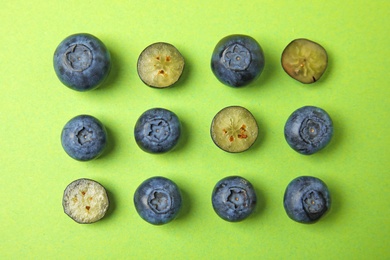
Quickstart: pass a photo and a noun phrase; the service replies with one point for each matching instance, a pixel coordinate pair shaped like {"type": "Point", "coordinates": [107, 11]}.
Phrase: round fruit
{"type": "Point", "coordinates": [160, 65]}
{"type": "Point", "coordinates": [233, 198]}
{"type": "Point", "coordinates": [158, 200]}
{"type": "Point", "coordinates": [237, 60]}
{"type": "Point", "coordinates": [82, 62]}
{"type": "Point", "coordinates": [308, 130]}
{"type": "Point", "coordinates": [306, 199]}
{"type": "Point", "coordinates": [85, 201]}
{"type": "Point", "coordinates": [234, 129]}
{"type": "Point", "coordinates": [157, 130]}
{"type": "Point", "coordinates": [304, 60]}
{"type": "Point", "coordinates": [84, 138]}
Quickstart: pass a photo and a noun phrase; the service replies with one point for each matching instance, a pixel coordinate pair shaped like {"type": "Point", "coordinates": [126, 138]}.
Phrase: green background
{"type": "Point", "coordinates": [35, 106]}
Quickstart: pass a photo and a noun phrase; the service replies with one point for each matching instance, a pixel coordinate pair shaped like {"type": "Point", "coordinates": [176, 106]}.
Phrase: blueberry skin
{"type": "Point", "coordinates": [308, 130]}
{"type": "Point", "coordinates": [306, 199]}
{"type": "Point", "coordinates": [82, 62]}
{"type": "Point", "coordinates": [237, 60]}
{"type": "Point", "coordinates": [158, 200]}
{"type": "Point", "coordinates": [233, 198]}
{"type": "Point", "coordinates": [157, 130]}
{"type": "Point", "coordinates": [84, 138]}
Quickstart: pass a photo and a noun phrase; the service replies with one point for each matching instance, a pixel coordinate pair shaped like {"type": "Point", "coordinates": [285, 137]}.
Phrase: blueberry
{"type": "Point", "coordinates": [84, 138]}
{"type": "Point", "coordinates": [160, 65]}
{"type": "Point", "coordinates": [233, 198]}
{"type": "Point", "coordinates": [82, 62]}
{"type": "Point", "coordinates": [85, 201]}
{"type": "Point", "coordinates": [304, 60]}
{"type": "Point", "coordinates": [157, 130]}
{"type": "Point", "coordinates": [308, 130]}
{"type": "Point", "coordinates": [306, 199]}
{"type": "Point", "coordinates": [237, 60]}
{"type": "Point", "coordinates": [158, 200]}
{"type": "Point", "coordinates": [234, 129]}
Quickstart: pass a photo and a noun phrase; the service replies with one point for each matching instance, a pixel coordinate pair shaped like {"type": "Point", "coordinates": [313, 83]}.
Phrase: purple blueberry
{"type": "Point", "coordinates": [306, 199]}
{"type": "Point", "coordinates": [82, 62]}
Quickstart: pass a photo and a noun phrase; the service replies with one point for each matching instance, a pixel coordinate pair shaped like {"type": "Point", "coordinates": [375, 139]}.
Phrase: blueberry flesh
{"type": "Point", "coordinates": [158, 200]}
{"type": "Point", "coordinates": [308, 130]}
{"type": "Point", "coordinates": [237, 60]}
{"type": "Point", "coordinates": [306, 199]}
{"type": "Point", "coordinates": [233, 198]}
{"type": "Point", "coordinates": [157, 130]}
{"type": "Point", "coordinates": [82, 62]}
{"type": "Point", "coordinates": [84, 138]}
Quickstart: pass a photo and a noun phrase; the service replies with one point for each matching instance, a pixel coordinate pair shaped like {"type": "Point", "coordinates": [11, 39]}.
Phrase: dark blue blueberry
{"type": "Point", "coordinates": [308, 130]}
{"type": "Point", "coordinates": [157, 200]}
{"type": "Point", "coordinates": [233, 198]}
{"type": "Point", "coordinates": [157, 130]}
{"type": "Point", "coordinates": [84, 138]}
{"type": "Point", "coordinates": [82, 62]}
{"type": "Point", "coordinates": [306, 199]}
{"type": "Point", "coordinates": [237, 60]}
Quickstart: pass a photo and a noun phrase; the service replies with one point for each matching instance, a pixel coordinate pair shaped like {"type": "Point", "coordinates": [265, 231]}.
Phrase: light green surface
{"type": "Point", "coordinates": [35, 106]}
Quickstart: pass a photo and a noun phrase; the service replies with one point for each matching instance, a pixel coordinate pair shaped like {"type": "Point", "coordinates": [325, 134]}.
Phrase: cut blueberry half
{"type": "Point", "coordinates": [304, 60]}
{"type": "Point", "coordinates": [234, 129]}
{"type": "Point", "coordinates": [237, 60]}
{"type": "Point", "coordinates": [84, 138]}
{"type": "Point", "coordinates": [158, 200]}
{"type": "Point", "coordinates": [85, 201]}
{"type": "Point", "coordinates": [233, 198]}
{"type": "Point", "coordinates": [157, 130]}
{"type": "Point", "coordinates": [308, 130]}
{"type": "Point", "coordinates": [160, 65]}
{"type": "Point", "coordinates": [82, 62]}
{"type": "Point", "coordinates": [306, 199]}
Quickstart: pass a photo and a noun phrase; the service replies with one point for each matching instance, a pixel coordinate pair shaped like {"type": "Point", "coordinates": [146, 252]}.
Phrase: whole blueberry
{"type": "Point", "coordinates": [157, 130]}
{"type": "Point", "coordinates": [306, 199]}
{"type": "Point", "coordinates": [237, 60]}
{"type": "Point", "coordinates": [84, 138]}
{"type": "Point", "coordinates": [158, 200]}
{"type": "Point", "coordinates": [233, 198]}
{"type": "Point", "coordinates": [308, 130]}
{"type": "Point", "coordinates": [82, 62]}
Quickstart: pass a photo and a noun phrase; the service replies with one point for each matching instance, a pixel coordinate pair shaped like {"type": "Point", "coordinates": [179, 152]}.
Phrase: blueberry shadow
{"type": "Point", "coordinates": [115, 72]}
{"type": "Point", "coordinates": [112, 205]}
{"type": "Point", "coordinates": [183, 137]}
{"type": "Point", "coordinates": [186, 206]}
{"type": "Point", "coordinates": [260, 204]}
{"type": "Point", "coordinates": [336, 201]}
{"type": "Point", "coordinates": [110, 144]}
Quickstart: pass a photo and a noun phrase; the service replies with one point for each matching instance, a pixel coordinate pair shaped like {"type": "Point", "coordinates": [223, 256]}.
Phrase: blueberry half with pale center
{"type": "Point", "coordinates": [158, 200]}
{"type": "Point", "coordinates": [84, 138]}
{"type": "Point", "coordinates": [233, 198]}
{"type": "Point", "coordinates": [306, 199]}
{"type": "Point", "coordinates": [157, 130]}
{"type": "Point", "coordinates": [82, 62]}
{"type": "Point", "coordinates": [308, 130]}
{"type": "Point", "coordinates": [237, 60]}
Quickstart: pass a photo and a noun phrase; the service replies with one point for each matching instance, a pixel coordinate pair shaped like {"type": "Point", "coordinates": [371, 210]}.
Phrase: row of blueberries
{"type": "Point", "coordinates": [233, 129]}
{"type": "Point", "coordinates": [82, 62]}
{"type": "Point", "coordinates": [158, 200]}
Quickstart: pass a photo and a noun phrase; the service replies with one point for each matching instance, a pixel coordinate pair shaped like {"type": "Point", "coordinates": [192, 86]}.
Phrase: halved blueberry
{"type": "Point", "coordinates": [234, 129]}
{"type": "Point", "coordinates": [304, 60]}
{"type": "Point", "coordinates": [82, 62]}
{"type": "Point", "coordinates": [160, 65]}
{"type": "Point", "coordinates": [85, 201]}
